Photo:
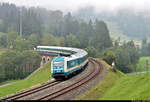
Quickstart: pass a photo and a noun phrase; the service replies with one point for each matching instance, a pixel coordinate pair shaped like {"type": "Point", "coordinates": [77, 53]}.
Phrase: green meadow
{"type": "Point", "coordinates": [131, 87]}
{"type": "Point", "coordinates": [119, 86]}
{"type": "Point", "coordinates": [38, 78]}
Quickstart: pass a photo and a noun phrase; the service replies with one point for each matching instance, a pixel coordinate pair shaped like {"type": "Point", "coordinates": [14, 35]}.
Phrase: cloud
{"type": "Point", "coordinates": [73, 5]}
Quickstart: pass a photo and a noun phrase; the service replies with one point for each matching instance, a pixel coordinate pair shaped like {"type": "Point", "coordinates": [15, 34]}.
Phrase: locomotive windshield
{"type": "Point", "coordinates": [57, 64]}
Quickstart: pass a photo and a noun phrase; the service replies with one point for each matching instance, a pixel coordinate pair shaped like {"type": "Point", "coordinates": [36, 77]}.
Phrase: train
{"type": "Point", "coordinates": [68, 61]}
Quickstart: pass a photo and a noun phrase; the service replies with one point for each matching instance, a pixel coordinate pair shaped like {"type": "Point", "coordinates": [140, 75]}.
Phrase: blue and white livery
{"type": "Point", "coordinates": [64, 66]}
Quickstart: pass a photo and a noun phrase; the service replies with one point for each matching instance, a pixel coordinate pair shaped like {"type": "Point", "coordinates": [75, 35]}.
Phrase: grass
{"type": "Point", "coordinates": [114, 86]}
{"type": "Point", "coordinates": [2, 51]}
{"type": "Point", "coordinates": [119, 86]}
{"type": "Point", "coordinates": [131, 87]}
{"type": "Point", "coordinates": [103, 86]}
{"type": "Point", "coordinates": [141, 64]}
{"type": "Point", "coordinates": [41, 76]}
{"type": "Point", "coordinates": [7, 82]}
{"type": "Point", "coordinates": [108, 67]}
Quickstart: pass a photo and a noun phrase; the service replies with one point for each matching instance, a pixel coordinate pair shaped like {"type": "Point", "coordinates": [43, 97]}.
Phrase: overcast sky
{"type": "Point", "coordinates": [73, 5]}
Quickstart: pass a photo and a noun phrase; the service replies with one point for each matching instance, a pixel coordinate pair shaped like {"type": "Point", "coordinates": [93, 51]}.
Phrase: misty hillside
{"type": "Point", "coordinates": [132, 23]}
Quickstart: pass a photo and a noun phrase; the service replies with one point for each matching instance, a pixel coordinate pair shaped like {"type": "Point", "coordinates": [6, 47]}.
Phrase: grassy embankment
{"type": "Point", "coordinates": [131, 87]}
{"type": "Point", "coordinates": [114, 86]}
{"type": "Point", "coordinates": [7, 82]}
{"type": "Point", "coordinates": [118, 86]}
{"type": "Point", "coordinates": [103, 86]}
{"type": "Point", "coordinates": [41, 76]}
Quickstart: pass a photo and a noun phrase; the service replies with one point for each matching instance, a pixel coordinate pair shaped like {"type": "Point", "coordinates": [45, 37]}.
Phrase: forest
{"type": "Point", "coordinates": [18, 65]}
{"type": "Point", "coordinates": [53, 28]}
{"type": "Point", "coordinates": [45, 27]}
{"type": "Point", "coordinates": [133, 23]}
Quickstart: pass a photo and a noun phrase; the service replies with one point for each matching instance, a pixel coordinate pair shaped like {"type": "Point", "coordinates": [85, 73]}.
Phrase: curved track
{"type": "Point", "coordinates": [95, 71]}
{"type": "Point", "coordinates": [31, 91]}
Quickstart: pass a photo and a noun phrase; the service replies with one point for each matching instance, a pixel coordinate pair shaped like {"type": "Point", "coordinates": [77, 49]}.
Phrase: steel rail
{"type": "Point", "coordinates": [75, 85]}
{"type": "Point", "coordinates": [31, 91]}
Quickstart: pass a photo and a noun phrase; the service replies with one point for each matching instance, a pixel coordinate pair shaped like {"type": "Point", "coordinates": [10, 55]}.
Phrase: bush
{"type": "Point", "coordinates": [125, 57]}
{"type": "Point", "coordinates": [17, 65]}
{"type": "Point", "coordinates": [92, 52]}
{"type": "Point", "coordinates": [109, 56]}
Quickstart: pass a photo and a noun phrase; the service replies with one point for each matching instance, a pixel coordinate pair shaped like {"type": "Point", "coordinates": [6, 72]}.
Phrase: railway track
{"type": "Point", "coordinates": [75, 85]}
{"type": "Point", "coordinates": [55, 94]}
{"type": "Point", "coordinates": [31, 91]}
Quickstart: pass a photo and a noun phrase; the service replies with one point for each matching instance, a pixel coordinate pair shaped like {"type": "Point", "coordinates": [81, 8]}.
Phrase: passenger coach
{"type": "Point", "coordinates": [68, 61]}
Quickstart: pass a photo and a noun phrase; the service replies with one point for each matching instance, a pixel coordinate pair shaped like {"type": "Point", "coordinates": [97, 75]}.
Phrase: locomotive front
{"type": "Point", "coordinates": [58, 67]}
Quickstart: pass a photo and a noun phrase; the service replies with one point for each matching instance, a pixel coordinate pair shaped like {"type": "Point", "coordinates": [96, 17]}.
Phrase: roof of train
{"type": "Point", "coordinates": [79, 52]}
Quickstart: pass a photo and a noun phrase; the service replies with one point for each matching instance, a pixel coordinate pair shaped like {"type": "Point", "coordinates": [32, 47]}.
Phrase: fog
{"type": "Point", "coordinates": [74, 5]}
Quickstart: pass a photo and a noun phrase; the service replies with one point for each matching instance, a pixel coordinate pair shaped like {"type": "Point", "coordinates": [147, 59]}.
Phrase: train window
{"type": "Point", "coordinates": [60, 63]}
{"type": "Point", "coordinates": [68, 64]}
{"type": "Point", "coordinates": [81, 60]}
{"type": "Point", "coordinates": [71, 63]}
{"type": "Point", "coordinates": [78, 61]}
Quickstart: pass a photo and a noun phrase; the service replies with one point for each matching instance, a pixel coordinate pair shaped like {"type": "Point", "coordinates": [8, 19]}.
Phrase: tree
{"type": "Point", "coordinates": [83, 35]}
{"type": "Point", "coordinates": [67, 24]}
{"type": "Point", "coordinates": [148, 49]}
{"type": "Point", "coordinates": [101, 38]}
{"type": "Point", "coordinates": [1, 24]}
{"type": "Point", "coordinates": [55, 19]}
{"type": "Point", "coordinates": [33, 40]}
{"type": "Point", "coordinates": [109, 56]}
{"type": "Point", "coordinates": [32, 22]}
{"type": "Point", "coordinates": [90, 30]}
{"type": "Point", "coordinates": [6, 63]}
{"type": "Point", "coordinates": [93, 52]}
{"type": "Point", "coordinates": [72, 41]}
{"type": "Point", "coordinates": [21, 44]}
{"type": "Point", "coordinates": [61, 41]}
{"type": "Point", "coordinates": [11, 37]}
{"type": "Point", "coordinates": [3, 40]}
{"type": "Point", "coordinates": [48, 40]}
{"type": "Point", "coordinates": [2, 72]}
{"type": "Point", "coordinates": [14, 64]}
{"type": "Point", "coordinates": [126, 57]}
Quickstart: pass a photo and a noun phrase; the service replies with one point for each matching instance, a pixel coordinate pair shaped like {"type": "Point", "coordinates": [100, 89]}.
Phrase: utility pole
{"type": "Point", "coordinates": [20, 23]}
